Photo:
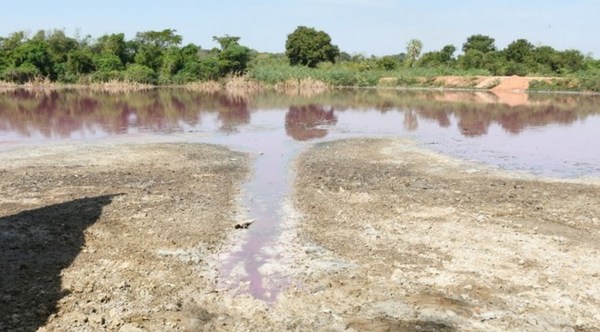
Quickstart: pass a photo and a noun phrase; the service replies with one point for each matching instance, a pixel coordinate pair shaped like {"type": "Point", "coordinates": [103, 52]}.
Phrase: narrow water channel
{"type": "Point", "coordinates": [272, 152]}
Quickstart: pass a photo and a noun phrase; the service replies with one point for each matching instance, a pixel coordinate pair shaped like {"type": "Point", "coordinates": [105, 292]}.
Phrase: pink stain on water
{"type": "Point", "coordinates": [545, 135]}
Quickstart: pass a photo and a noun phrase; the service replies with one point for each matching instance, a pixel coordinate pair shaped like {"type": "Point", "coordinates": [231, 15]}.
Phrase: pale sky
{"type": "Point", "coordinates": [376, 27]}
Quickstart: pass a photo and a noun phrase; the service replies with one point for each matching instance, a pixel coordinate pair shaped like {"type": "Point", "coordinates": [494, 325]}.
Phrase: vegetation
{"type": "Point", "coordinates": [153, 57]}
{"type": "Point", "coordinates": [158, 57]}
{"type": "Point", "coordinates": [308, 47]}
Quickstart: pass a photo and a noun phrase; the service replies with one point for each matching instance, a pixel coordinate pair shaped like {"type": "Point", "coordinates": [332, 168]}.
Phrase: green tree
{"type": "Point", "coordinates": [388, 62]}
{"type": "Point", "coordinates": [35, 52]}
{"type": "Point", "coordinates": [140, 74]}
{"type": "Point", "coordinates": [481, 43]}
{"type": "Point", "coordinates": [519, 51]}
{"type": "Point", "coordinates": [114, 45]}
{"type": "Point", "coordinates": [161, 39]}
{"type": "Point", "coordinates": [447, 54]}
{"type": "Point", "coordinates": [547, 59]}
{"type": "Point", "coordinates": [80, 62]}
{"type": "Point", "coordinates": [21, 74]}
{"type": "Point", "coordinates": [472, 58]}
{"type": "Point", "coordinates": [443, 57]}
{"type": "Point", "coordinates": [308, 47]}
{"type": "Point", "coordinates": [413, 50]}
{"type": "Point", "coordinates": [152, 45]}
{"type": "Point", "coordinates": [59, 45]}
{"type": "Point", "coordinates": [233, 57]}
{"type": "Point", "coordinates": [572, 61]}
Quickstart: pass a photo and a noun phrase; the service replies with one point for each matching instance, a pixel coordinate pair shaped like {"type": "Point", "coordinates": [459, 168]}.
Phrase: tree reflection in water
{"type": "Point", "coordinates": [304, 123]}
{"type": "Point", "coordinates": [64, 114]}
{"type": "Point", "coordinates": [233, 112]}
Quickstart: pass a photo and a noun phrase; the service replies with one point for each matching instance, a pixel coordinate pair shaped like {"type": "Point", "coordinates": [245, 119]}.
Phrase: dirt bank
{"type": "Point", "coordinates": [380, 235]}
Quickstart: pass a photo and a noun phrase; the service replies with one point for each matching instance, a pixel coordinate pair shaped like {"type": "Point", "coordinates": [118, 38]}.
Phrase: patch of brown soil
{"type": "Point", "coordinates": [512, 83]}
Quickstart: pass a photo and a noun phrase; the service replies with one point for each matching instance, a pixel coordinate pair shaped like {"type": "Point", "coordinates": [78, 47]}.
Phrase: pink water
{"type": "Point", "coordinates": [553, 136]}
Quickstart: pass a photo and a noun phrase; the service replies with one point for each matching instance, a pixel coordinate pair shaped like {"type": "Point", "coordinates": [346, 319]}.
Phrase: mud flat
{"type": "Point", "coordinates": [110, 237]}
{"type": "Point", "coordinates": [379, 235]}
{"type": "Point", "coordinates": [434, 243]}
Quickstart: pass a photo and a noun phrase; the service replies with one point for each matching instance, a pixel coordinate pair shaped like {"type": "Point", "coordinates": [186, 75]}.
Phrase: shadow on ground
{"type": "Point", "coordinates": [35, 246]}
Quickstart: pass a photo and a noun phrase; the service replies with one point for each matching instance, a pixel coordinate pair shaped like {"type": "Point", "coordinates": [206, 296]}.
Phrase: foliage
{"type": "Point", "coordinates": [388, 63]}
{"type": "Point", "coordinates": [157, 57]}
{"type": "Point", "coordinates": [151, 57]}
{"type": "Point", "coordinates": [139, 74]}
{"type": "Point", "coordinates": [481, 43]}
{"type": "Point", "coordinates": [22, 74]}
{"type": "Point", "coordinates": [233, 57]}
{"type": "Point", "coordinates": [444, 57]}
{"type": "Point", "coordinates": [308, 47]}
{"type": "Point", "coordinates": [413, 50]}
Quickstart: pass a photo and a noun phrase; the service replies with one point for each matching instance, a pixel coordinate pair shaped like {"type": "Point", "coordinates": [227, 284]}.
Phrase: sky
{"type": "Point", "coordinates": [369, 27]}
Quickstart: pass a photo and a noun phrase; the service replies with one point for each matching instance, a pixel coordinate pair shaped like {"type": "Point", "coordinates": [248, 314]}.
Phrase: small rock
{"type": "Point", "coordinates": [244, 224]}
{"type": "Point", "coordinates": [468, 288]}
{"type": "Point", "coordinates": [521, 262]}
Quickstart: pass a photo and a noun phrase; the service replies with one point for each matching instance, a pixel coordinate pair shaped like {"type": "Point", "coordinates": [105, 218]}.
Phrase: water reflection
{"type": "Point", "coordinates": [233, 112]}
{"type": "Point", "coordinates": [79, 114]}
{"type": "Point", "coordinates": [303, 123]}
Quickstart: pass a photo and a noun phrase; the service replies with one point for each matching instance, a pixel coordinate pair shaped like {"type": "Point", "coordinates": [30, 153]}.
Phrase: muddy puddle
{"type": "Point", "coordinates": [551, 136]}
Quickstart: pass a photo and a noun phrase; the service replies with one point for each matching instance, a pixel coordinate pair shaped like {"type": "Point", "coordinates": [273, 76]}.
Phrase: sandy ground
{"type": "Point", "coordinates": [379, 235]}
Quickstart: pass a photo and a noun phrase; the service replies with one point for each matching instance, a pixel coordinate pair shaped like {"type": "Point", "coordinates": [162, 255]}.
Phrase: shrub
{"type": "Point", "coordinates": [139, 74]}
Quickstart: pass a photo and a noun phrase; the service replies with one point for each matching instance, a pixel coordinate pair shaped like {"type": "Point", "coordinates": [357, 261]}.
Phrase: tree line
{"type": "Point", "coordinates": [154, 57]}
{"type": "Point", "coordinates": [306, 46]}
{"type": "Point", "coordinates": [158, 57]}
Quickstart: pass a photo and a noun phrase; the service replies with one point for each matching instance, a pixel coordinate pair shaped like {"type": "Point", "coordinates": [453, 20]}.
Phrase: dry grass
{"type": "Point", "coordinates": [236, 85]}
{"type": "Point", "coordinates": [116, 86]}
{"type": "Point", "coordinates": [231, 85]}
{"type": "Point", "coordinates": [303, 87]}
{"type": "Point", "coordinates": [7, 86]}
{"type": "Point", "coordinates": [42, 83]}
{"type": "Point", "coordinates": [210, 87]}
{"type": "Point", "coordinates": [242, 86]}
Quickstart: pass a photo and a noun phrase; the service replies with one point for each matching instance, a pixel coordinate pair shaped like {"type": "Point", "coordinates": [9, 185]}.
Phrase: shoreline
{"type": "Point", "coordinates": [248, 85]}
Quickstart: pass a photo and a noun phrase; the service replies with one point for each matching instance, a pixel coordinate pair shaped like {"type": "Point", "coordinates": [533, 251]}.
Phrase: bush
{"type": "Point", "coordinates": [140, 74]}
{"type": "Point", "coordinates": [22, 74]}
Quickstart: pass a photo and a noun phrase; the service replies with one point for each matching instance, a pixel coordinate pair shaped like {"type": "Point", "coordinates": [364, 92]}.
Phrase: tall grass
{"type": "Point", "coordinates": [581, 81]}
{"type": "Point", "coordinates": [348, 75]}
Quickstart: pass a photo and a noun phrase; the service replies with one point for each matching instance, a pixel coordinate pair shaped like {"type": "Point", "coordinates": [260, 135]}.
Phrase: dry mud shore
{"type": "Point", "coordinates": [379, 235]}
